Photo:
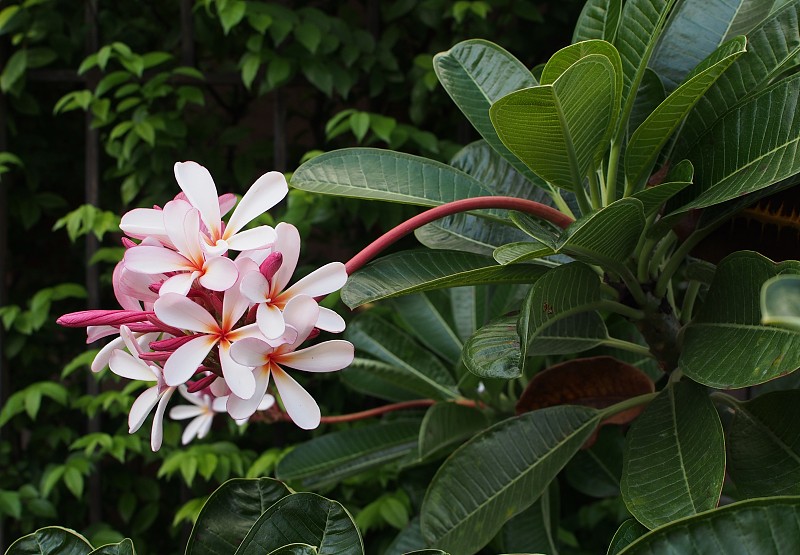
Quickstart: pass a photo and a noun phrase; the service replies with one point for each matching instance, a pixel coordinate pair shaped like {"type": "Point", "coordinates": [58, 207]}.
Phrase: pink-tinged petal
{"type": "Point", "coordinates": [219, 274]}
{"type": "Point", "coordinates": [126, 301]}
{"type": "Point", "coordinates": [258, 255]}
{"type": "Point", "coordinates": [178, 311]}
{"type": "Point", "coordinates": [250, 330]}
{"type": "Point", "coordinates": [195, 426]}
{"type": "Point", "coordinates": [124, 365]}
{"type": "Point", "coordinates": [328, 356]}
{"type": "Point", "coordinates": [255, 287]}
{"type": "Point", "coordinates": [183, 363]}
{"type": "Point", "coordinates": [183, 412]}
{"type": "Point", "coordinates": [331, 277]}
{"type": "Point", "coordinates": [266, 192]}
{"type": "Point", "coordinates": [270, 320]}
{"type": "Point", "coordinates": [238, 376]}
{"type": "Point", "coordinates": [94, 333]}
{"type": "Point", "coordinates": [104, 355]}
{"type": "Point", "coordinates": [143, 222]}
{"type": "Point", "coordinates": [286, 340]}
{"type": "Point", "coordinates": [301, 407]}
{"type": "Point", "coordinates": [197, 400]}
{"type": "Point", "coordinates": [157, 433]}
{"type": "Point", "coordinates": [244, 408]}
{"type": "Point", "coordinates": [141, 407]}
{"type": "Point", "coordinates": [288, 244]}
{"type": "Point", "coordinates": [198, 186]}
{"type": "Point", "coordinates": [219, 248]}
{"type": "Point", "coordinates": [175, 212]}
{"type": "Point", "coordinates": [219, 403]}
{"type": "Point", "coordinates": [301, 313]}
{"type": "Point", "coordinates": [226, 203]}
{"type": "Point", "coordinates": [266, 402]}
{"type": "Point", "coordinates": [250, 352]}
{"type": "Point", "coordinates": [219, 389]}
{"type": "Point", "coordinates": [179, 283]}
{"type": "Point", "coordinates": [156, 260]}
{"type": "Point", "coordinates": [133, 285]}
{"type": "Point", "coordinates": [130, 341]}
{"type": "Point", "coordinates": [256, 238]}
{"type": "Point", "coordinates": [330, 321]}
{"type": "Point", "coordinates": [205, 427]}
{"type": "Point", "coordinates": [234, 304]}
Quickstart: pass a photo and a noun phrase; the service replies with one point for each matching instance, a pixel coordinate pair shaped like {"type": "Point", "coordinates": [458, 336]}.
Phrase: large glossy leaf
{"type": "Point", "coordinates": [125, 547]}
{"type": "Point", "coordinates": [770, 525]}
{"type": "Point", "coordinates": [564, 58]}
{"type": "Point", "coordinates": [780, 302]}
{"type": "Point", "coordinates": [377, 174]}
{"type": "Point", "coordinates": [727, 346]}
{"type": "Point", "coordinates": [295, 549]}
{"type": "Point", "coordinates": [392, 345]}
{"type": "Point", "coordinates": [770, 46]}
{"type": "Point", "coordinates": [651, 93]}
{"type": "Point", "coordinates": [305, 518]}
{"type": "Point", "coordinates": [627, 533]}
{"type": "Point", "coordinates": [229, 514]}
{"type": "Point", "coordinates": [596, 471]}
{"type": "Point", "coordinates": [763, 441]}
{"type": "Point", "coordinates": [696, 29]}
{"type": "Point", "coordinates": [329, 458]}
{"type": "Point", "coordinates": [562, 292]}
{"type": "Point", "coordinates": [423, 270]}
{"type": "Point", "coordinates": [640, 27]}
{"type": "Point", "coordinates": [599, 19]}
{"type": "Point", "coordinates": [385, 381]}
{"type": "Point", "coordinates": [752, 147]}
{"type": "Point", "coordinates": [573, 334]}
{"type": "Point", "coordinates": [496, 475]}
{"type": "Point", "coordinates": [559, 130]}
{"type": "Point", "coordinates": [674, 461]}
{"type": "Point", "coordinates": [533, 530]}
{"type": "Point", "coordinates": [652, 198]}
{"type": "Point", "coordinates": [52, 540]}
{"type": "Point", "coordinates": [446, 425]}
{"type": "Point", "coordinates": [493, 351]}
{"type": "Point", "coordinates": [648, 140]}
{"type": "Point", "coordinates": [606, 237]}
{"type": "Point", "coordinates": [476, 73]}
{"type": "Point", "coordinates": [409, 539]}
{"type": "Point", "coordinates": [428, 323]}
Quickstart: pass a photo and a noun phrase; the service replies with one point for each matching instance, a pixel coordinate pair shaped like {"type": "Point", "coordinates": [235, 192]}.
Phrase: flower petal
{"type": "Point", "coordinates": [179, 283]}
{"type": "Point", "coordinates": [250, 352]}
{"type": "Point", "coordinates": [182, 412]}
{"type": "Point", "coordinates": [301, 313]}
{"type": "Point", "coordinates": [266, 192]}
{"type": "Point", "coordinates": [244, 408]}
{"type": "Point", "coordinates": [144, 222]}
{"type": "Point", "coordinates": [205, 427]}
{"type": "Point", "coordinates": [270, 320]}
{"type": "Point", "coordinates": [156, 260]}
{"type": "Point", "coordinates": [193, 398]}
{"type": "Point", "coordinates": [256, 238]}
{"type": "Point", "coordinates": [329, 320]}
{"type": "Point", "coordinates": [141, 407]}
{"type": "Point", "coordinates": [94, 333]}
{"type": "Point", "coordinates": [157, 433]}
{"type": "Point", "coordinates": [219, 274]}
{"type": "Point", "coordinates": [183, 363]}
{"type": "Point", "coordinates": [238, 376]}
{"type": "Point", "coordinates": [301, 406]}
{"type": "Point", "coordinates": [194, 427]}
{"type": "Point", "coordinates": [197, 184]}
{"type": "Point", "coordinates": [104, 355]}
{"type": "Point", "coordinates": [255, 287]}
{"type": "Point", "coordinates": [124, 365]}
{"type": "Point", "coordinates": [178, 311]}
{"type": "Point", "coordinates": [266, 402]}
{"type": "Point", "coordinates": [174, 214]}
{"type": "Point", "coordinates": [288, 244]}
{"type": "Point", "coordinates": [327, 279]}
{"type": "Point", "coordinates": [327, 356]}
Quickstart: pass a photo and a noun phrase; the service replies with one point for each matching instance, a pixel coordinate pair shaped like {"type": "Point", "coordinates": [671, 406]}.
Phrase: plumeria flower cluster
{"type": "Point", "coordinates": [207, 309]}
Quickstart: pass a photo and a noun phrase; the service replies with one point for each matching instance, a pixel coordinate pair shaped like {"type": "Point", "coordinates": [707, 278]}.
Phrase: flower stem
{"type": "Point", "coordinates": [510, 203]}
{"type": "Point", "coordinates": [371, 413]}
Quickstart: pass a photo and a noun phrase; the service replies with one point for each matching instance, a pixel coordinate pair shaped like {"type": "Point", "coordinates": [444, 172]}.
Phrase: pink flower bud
{"type": "Point", "coordinates": [102, 318]}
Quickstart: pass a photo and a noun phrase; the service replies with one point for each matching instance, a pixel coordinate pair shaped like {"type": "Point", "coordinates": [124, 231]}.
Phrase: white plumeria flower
{"type": "Point", "coordinates": [182, 313]}
{"type": "Point", "coordinates": [127, 365]}
{"type": "Point", "coordinates": [272, 295]}
{"type": "Point", "coordinates": [182, 224]}
{"type": "Point", "coordinates": [300, 314]}
{"type": "Point", "coordinates": [197, 184]}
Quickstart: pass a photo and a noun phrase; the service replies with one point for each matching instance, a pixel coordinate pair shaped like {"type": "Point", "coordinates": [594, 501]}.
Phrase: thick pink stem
{"type": "Point", "coordinates": [510, 203]}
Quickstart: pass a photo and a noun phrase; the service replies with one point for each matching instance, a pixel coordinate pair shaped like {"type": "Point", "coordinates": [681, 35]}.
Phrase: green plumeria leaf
{"type": "Point", "coordinates": [598, 20]}
{"type": "Point", "coordinates": [463, 519]}
{"type": "Point", "coordinates": [376, 174]}
{"type": "Point", "coordinates": [332, 457]}
{"type": "Point", "coordinates": [573, 334]}
{"type": "Point", "coordinates": [295, 549]}
{"type": "Point", "coordinates": [764, 445]}
{"type": "Point", "coordinates": [52, 540]}
{"type": "Point", "coordinates": [627, 533]}
{"type": "Point", "coordinates": [305, 518]}
{"type": "Point", "coordinates": [476, 73]}
{"type": "Point", "coordinates": [533, 530]}
{"type": "Point", "coordinates": [230, 512]}
{"type": "Point", "coordinates": [727, 346]}
{"type": "Point", "coordinates": [674, 458]}
{"type": "Point", "coordinates": [780, 302]}
{"type": "Point", "coordinates": [125, 547]}
{"type": "Point", "coordinates": [597, 471]}
{"type": "Point", "coordinates": [647, 141]}
{"type": "Point", "coordinates": [560, 130]}
{"type": "Point", "coordinates": [493, 351]}
{"type": "Point", "coordinates": [393, 346]}
{"type": "Point", "coordinates": [653, 198]}
{"type": "Point", "coordinates": [423, 270]}
{"type": "Point", "coordinates": [770, 525]}
{"type": "Point", "coordinates": [446, 425]}
{"type": "Point", "coordinates": [427, 322]}
{"type": "Point", "coordinates": [386, 381]}
{"type": "Point", "coordinates": [651, 94]}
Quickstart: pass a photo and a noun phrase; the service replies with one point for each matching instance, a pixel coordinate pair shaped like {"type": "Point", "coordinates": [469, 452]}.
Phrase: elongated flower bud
{"type": "Point", "coordinates": [102, 318]}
